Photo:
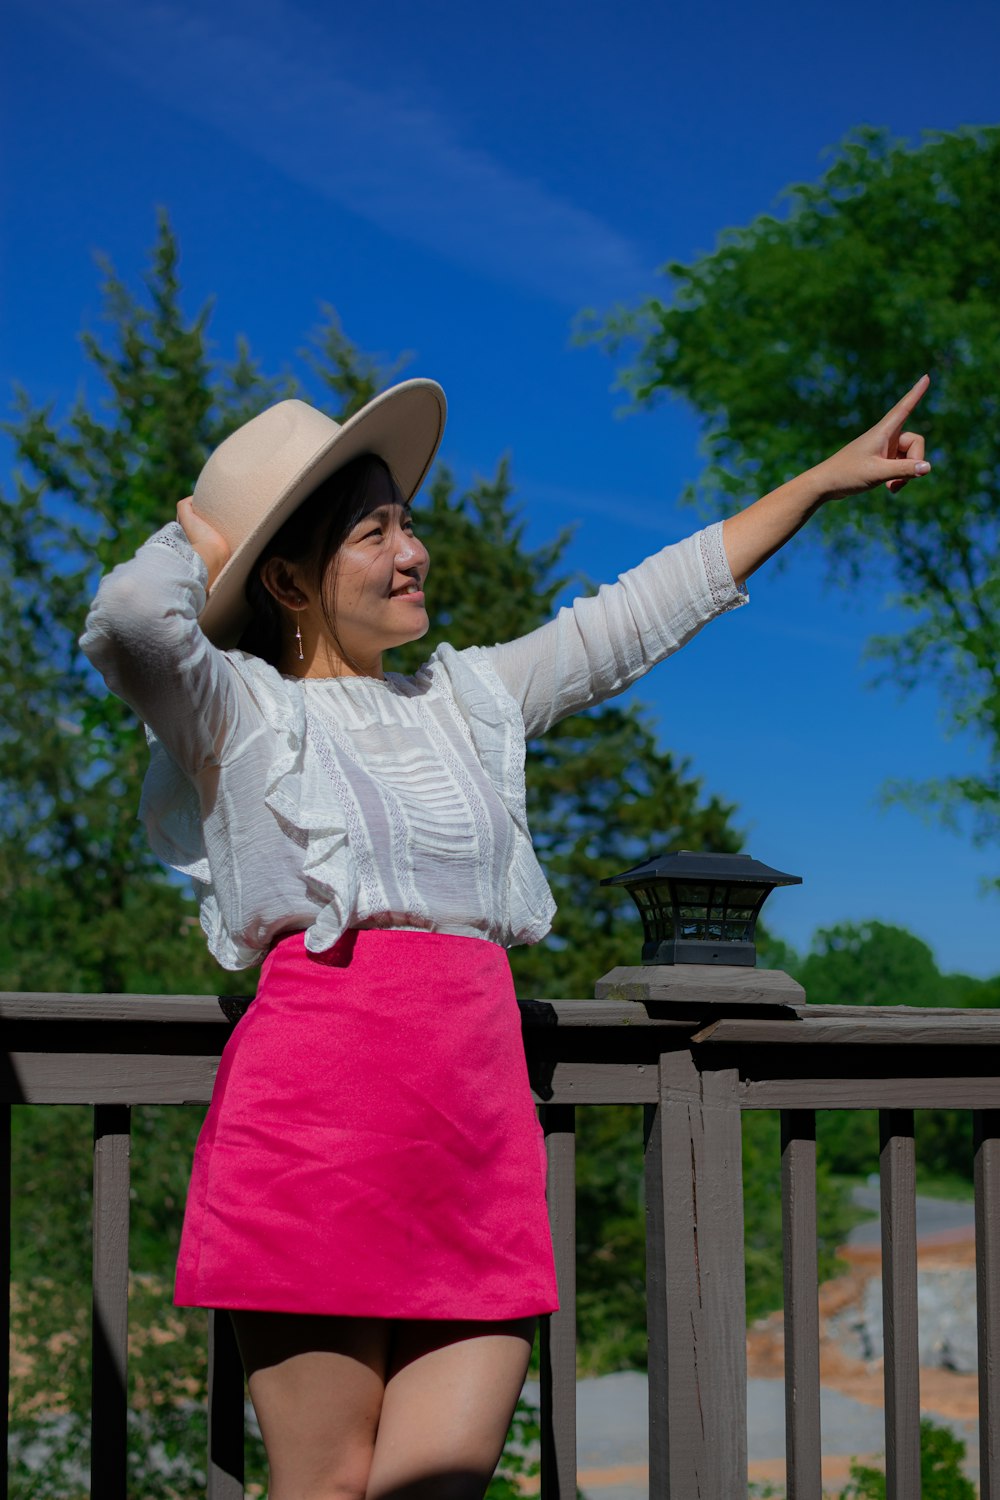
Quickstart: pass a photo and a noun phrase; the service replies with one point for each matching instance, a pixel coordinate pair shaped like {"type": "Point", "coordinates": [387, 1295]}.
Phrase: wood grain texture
{"type": "Point", "coordinates": [225, 1410]}
{"type": "Point", "coordinates": [26, 1005]}
{"type": "Point", "coordinates": [956, 1030]}
{"type": "Point", "coordinates": [980, 1092]}
{"type": "Point", "coordinates": [699, 984]}
{"type": "Point", "coordinates": [803, 1447]}
{"type": "Point", "coordinates": [594, 1082]}
{"type": "Point", "coordinates": [109, 1351]}
{"type": "Point", "coordinates": [558, 1331]}
{"type": "Point", "coordinates": [900, 1012]}
{"type": "Point", "coordinates": [898, 1189]}
{"type": "Point", "coordinates": [697, 1308]}
{"type": "Point", "coordinates": [105, 1078]}
{"type": "Point", "coordinates": [586, 1014]}
{"type": "Point", "coordinates": [620, 997]}
{"type": "Point", "coordinates": [986, 1133]}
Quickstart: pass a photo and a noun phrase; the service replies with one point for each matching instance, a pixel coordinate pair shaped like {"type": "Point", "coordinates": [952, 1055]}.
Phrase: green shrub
{"type": "Point", "coordinates": [941, 1476]}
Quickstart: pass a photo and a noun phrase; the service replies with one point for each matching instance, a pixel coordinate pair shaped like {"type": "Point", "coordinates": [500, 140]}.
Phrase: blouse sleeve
{"type": "Point", "coordinates": [142, 635]}
{"type": "Point", "coordinates": [598, 646]}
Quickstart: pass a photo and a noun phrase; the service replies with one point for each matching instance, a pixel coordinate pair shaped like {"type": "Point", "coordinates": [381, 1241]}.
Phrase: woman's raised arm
{"type": "Point", "coordinates": [600, 645]}
{"type": "Point", "coordinates": [142, 635]}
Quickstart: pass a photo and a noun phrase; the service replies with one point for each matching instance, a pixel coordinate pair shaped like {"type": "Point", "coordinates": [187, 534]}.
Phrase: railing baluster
{"type": "Point", "coordinates": [5, 1212]}
{"type": "Point", "coordinates": [225, 1410]}
{"type": "Point", "coordinates": [897, 1165]}
{"type": "Point", "coordinates": [803, 1463]}
{"type": "Point", "coordinates": [109, 1396]}
{"type": "Point", "coordinates": [557, 1339]}
{"type": "Point", "coordinates": [986, 1126]}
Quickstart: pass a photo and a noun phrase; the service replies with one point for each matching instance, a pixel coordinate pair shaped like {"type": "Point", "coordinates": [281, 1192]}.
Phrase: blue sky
{"type": "Point", "coordinates": [459, 182]}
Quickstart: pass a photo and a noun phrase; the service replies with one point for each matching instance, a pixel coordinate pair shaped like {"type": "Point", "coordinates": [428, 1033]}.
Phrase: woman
{"type": "Point", "coordinates": [368, 1189]}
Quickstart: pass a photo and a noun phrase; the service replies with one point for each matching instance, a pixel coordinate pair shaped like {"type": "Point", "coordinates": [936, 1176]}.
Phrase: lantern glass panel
{"type": "Point", "coordinates": [749, 895]}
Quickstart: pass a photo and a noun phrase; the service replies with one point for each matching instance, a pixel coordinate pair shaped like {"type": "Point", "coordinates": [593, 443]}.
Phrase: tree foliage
{"type": "Point", "coordinates": [798, 332]}
{"type": "Point", "coordinates": [870, 963]}
{"type": "Point", "coordinates": [875, 963]}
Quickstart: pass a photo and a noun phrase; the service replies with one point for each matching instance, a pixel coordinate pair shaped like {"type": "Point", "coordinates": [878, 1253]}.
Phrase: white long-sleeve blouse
{"type": "Point", "coordinates": [320, 804]}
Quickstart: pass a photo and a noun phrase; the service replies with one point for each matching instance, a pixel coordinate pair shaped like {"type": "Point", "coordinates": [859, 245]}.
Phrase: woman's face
{"type": "Point", "coordinates": [377, 584]}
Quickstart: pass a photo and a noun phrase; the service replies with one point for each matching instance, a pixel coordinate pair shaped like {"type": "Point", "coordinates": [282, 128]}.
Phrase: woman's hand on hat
{"type": "Point", "coordinates": [210, 545]}
{"type": "Point", "coordinates": [886, 454]}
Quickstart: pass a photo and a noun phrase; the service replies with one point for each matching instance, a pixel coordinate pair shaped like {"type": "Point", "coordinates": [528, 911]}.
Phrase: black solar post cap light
{"type": "Point", "coordinates": [700, 908]}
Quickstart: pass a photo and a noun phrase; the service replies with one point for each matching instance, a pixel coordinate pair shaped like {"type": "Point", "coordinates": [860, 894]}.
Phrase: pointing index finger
{"type": "Point", "coordinates": [899, 413]}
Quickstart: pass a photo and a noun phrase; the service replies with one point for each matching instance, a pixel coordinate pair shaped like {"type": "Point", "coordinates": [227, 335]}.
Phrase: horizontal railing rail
{"type": "Point", "coordinates": [696, 1048]}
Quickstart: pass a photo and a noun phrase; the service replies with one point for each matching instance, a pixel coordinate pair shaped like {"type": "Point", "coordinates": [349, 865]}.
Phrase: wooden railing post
{"type": "Point", "coordinates": [695, 1283]}
{"type": "Point", "coordinates": [557, 1336]}
{"type": "Point", "coordinates": [987, 1173]}
{"type": "Point", "coordinates": [225, 1410]}
{"type": "Point", "coordinates": [109, 1394]}
{"type": "Point", "coordinates": [898, 1192]}
{"type": "Point", "coordinates": [803, 1466]}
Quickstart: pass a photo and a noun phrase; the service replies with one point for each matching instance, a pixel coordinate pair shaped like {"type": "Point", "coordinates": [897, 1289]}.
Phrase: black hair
{"type": "Point", "coordinates": [313, 534]}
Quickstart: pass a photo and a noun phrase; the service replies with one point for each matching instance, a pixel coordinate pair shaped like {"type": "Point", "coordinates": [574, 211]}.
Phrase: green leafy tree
{"type": "Point", "coordinates": [871, 963]}
{"type": "Point", "coordinates": [876, 963]}
{"type": "Point", "coordinates": [800, 331]}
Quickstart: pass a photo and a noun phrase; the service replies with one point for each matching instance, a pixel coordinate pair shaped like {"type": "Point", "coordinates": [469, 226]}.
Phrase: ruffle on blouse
{"type": "Point", "coordinates": [496, 728]}
{"type": "Point", "coordinates": [171, 811]}
{"type": "Point", "coordinates": [305, 804]}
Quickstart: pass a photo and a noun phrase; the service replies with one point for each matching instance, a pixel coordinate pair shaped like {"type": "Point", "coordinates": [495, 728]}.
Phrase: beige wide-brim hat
{"type": "Point", "coordinates": [262, 472]}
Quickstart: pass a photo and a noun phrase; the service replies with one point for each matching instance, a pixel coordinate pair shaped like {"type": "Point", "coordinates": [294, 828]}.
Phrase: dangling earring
{"type": "Point", "coordinates": [298, 637]}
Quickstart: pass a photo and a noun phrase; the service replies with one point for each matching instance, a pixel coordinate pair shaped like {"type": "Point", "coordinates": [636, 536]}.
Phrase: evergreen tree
{"type": "Point", "coordinates": [87, 906]}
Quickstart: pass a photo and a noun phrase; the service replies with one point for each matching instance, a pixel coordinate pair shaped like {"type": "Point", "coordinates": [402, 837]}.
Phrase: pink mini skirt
{"type": "Point", "coordinates": [371, 1148]}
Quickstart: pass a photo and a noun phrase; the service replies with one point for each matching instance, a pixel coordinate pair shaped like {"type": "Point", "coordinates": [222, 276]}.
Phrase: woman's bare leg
{"type": "Point", "coordinates": [317, 1385]}
{"type": "Point", "coordinates": [450, 1393]}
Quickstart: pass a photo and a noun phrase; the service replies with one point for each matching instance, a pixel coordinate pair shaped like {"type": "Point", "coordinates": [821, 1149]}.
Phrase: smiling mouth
{"type": "Point", "coordinates": [407, 588]}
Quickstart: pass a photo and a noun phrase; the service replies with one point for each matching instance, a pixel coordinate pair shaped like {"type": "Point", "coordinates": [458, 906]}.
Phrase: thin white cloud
{"type": "Point", "coordinates": [266, 75]}
{"type": "Point", "coordinates": [654, 516]}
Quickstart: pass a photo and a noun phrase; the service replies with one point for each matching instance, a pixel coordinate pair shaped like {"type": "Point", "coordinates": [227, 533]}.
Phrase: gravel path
{"type": "Point", "coordinates": [612, 1451]}
{"type": "Point", "coordinates": [935, 1216]}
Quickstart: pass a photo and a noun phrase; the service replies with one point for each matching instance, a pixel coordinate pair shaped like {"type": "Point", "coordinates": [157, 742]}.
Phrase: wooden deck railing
{"type": "Point", "coordinates": [696, 1047]}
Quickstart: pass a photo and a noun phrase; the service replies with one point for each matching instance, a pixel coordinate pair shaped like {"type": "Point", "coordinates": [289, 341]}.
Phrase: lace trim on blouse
{"type": "Point", "coordinates": [718, 572]}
